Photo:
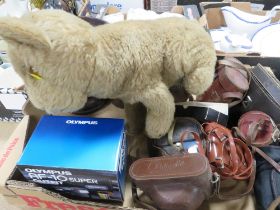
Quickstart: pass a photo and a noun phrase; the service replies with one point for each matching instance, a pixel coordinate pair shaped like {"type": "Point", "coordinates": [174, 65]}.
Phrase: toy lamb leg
{"type": "Point", "coordinates": [63, 60]}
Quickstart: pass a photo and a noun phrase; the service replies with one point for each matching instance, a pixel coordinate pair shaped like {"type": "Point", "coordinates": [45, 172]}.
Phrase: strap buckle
{"type": "Point", "coordinates": [276, 135]}
{"type": "Point", "coordinates": [221, 162]}
{"type": "Point", "coordinates": [276, 132]}
{"type": "Point", "coordinates": [215, 181]}
{"type": "Point", "coordinates": [247, 102]}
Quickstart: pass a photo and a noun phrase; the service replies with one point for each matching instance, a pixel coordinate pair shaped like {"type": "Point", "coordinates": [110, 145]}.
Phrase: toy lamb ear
{"type": "Point", "coordinates": [22, 32]}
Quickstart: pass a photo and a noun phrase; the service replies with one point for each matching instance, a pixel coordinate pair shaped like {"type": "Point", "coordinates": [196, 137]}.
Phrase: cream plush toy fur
{"type": "Point", "coordinates": [135, 61]}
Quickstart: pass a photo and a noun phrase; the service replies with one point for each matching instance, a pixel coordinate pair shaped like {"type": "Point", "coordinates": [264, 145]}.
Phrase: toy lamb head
{"type": "Point", "coordinates": [63, 60]}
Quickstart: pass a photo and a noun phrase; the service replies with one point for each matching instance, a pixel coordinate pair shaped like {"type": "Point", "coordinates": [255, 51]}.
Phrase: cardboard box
{"type": "Point", "coordinates": [79, 157]}
{"type": "Point", "coordinates": [26, 195]}
{"type": "Point", "coordinates": [11, 98]}
{"type": "Point", "coordinates": [160, 6]}
{"type": "Point", "coordinates": [11, 103]}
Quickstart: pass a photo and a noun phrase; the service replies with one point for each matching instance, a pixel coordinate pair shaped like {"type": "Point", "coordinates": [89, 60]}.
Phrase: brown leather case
{"type": "Point", "coordinates": [257, 128]}
{"type": "Point", "coordinates": [177, 182]}
{"type": "Point", "coordinates": [230, 84]}
{"type": "Point", "coordinates": [180, 132]}
{"type": "Point", "coordinates": [263, 95]}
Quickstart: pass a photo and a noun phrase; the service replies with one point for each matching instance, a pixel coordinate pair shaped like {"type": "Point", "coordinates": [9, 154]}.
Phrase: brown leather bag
{"type": "Point", "coordinates": [173, 182]}
{"type": "Point", "coordinates": [230, 84]}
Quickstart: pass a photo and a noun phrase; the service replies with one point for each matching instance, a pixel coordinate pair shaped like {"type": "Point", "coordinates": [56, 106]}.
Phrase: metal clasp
{"type": "Point", "coordinates": [246, 102]}
{"type": "Point", "coordinates": [215, 181]}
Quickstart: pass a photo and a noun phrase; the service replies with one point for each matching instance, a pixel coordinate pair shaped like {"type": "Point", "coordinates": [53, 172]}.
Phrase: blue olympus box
{"type": "Point", "coordinates": [79, 157]}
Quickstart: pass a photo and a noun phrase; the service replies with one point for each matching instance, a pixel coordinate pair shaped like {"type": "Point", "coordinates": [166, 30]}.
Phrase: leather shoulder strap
{"type": "Point", "coordinates": [249, 73]}
{"type": "Point", "coordinates": [249, 188]}
{"type": "Point", "coordinates": [267, 158]}
{"type": "Point", "coordinates": [274, 204]}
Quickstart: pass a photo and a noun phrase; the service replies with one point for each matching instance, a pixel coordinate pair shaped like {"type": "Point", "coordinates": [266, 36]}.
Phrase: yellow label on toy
{"type": "Point", "coordinates": [35, 75]}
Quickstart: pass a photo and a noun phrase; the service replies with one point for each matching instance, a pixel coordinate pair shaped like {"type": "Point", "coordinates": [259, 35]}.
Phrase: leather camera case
{"type": "Point", "coordinates": [174, 182]}
{"type": "Point", "coordinates": [263, 95]}
{"type": "Point", "coordinates": [172, 144]}
{"type": "Point", "coordinates": [257, 128]}
{"type": "Point", "coordinates": [230, 83]}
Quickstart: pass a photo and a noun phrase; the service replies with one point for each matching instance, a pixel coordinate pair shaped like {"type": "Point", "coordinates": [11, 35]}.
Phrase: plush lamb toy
{"type": "Point", "coordinates": [63, 60]}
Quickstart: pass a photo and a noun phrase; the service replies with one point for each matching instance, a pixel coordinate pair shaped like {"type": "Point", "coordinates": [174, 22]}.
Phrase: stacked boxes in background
{"type": "Point", "coordinates": [78, 157]}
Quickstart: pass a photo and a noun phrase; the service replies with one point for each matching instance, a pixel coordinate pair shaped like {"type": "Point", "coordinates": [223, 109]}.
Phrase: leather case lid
{"type": "Point", "coordinates": [157, 168]}
{"type": "Point", "coordinates": [269, 83]}
{"type": "Point", "coordinates": [263, 95]}
{"type": "Point", "coordinates": [181, 125]}
{"type": "Point", "coordinates": [264, 130]}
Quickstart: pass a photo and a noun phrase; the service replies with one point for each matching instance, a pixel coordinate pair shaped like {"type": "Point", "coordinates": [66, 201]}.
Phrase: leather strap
{"type": "Point", "coordinates": [267, 158]}
{"type": "Point", "coordinates": [232, 95]}
{"type": "Point", "coordinates": [234, 103]}
{"type": "Point", "coordinates": [197, 139]}
{"type": "Point", "coordinates": [221, 146]}
{"type": "Point", "coordinates": [170, 133]}
{"type": "Point", "coordinates": [229, 156]}
{"type": "Point", "coordinates": [246, 159]}
{"type": "Point", "coordinates": [225, 75]}
{"type": "Point", "coordinates": [225, 84]}
{"type": "Point", "coordinates": [182, 138]}
{"type": "Point", "coordinates": [249, 187]}
{"type": "Point", "coordinates": [236, 64]}
{"type": "Point", "coordinates": [274, 204]}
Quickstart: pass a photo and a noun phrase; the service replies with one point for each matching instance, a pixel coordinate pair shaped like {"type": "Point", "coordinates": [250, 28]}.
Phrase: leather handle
{"type": "Point", "coordinates": [232, 95]}
{"type": "Point", "coordinates": [233, 62]}
{"type": "Point", "coordinates": [224, 134]}
{"type": "Point", "coordinates": [197, 139]}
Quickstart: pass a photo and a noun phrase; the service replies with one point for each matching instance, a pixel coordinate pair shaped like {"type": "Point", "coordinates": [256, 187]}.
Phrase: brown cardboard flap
{"type": "Point", "coordinates": [11, 152]}
{"type": "Point", "coordinates": [244, 6]}
{"type": "Point", "coordinates": [276, 18]}
{"type": "Point", "coordinates": [32, 196]}
{"type": "Point", "coordinates": [215, 17]}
